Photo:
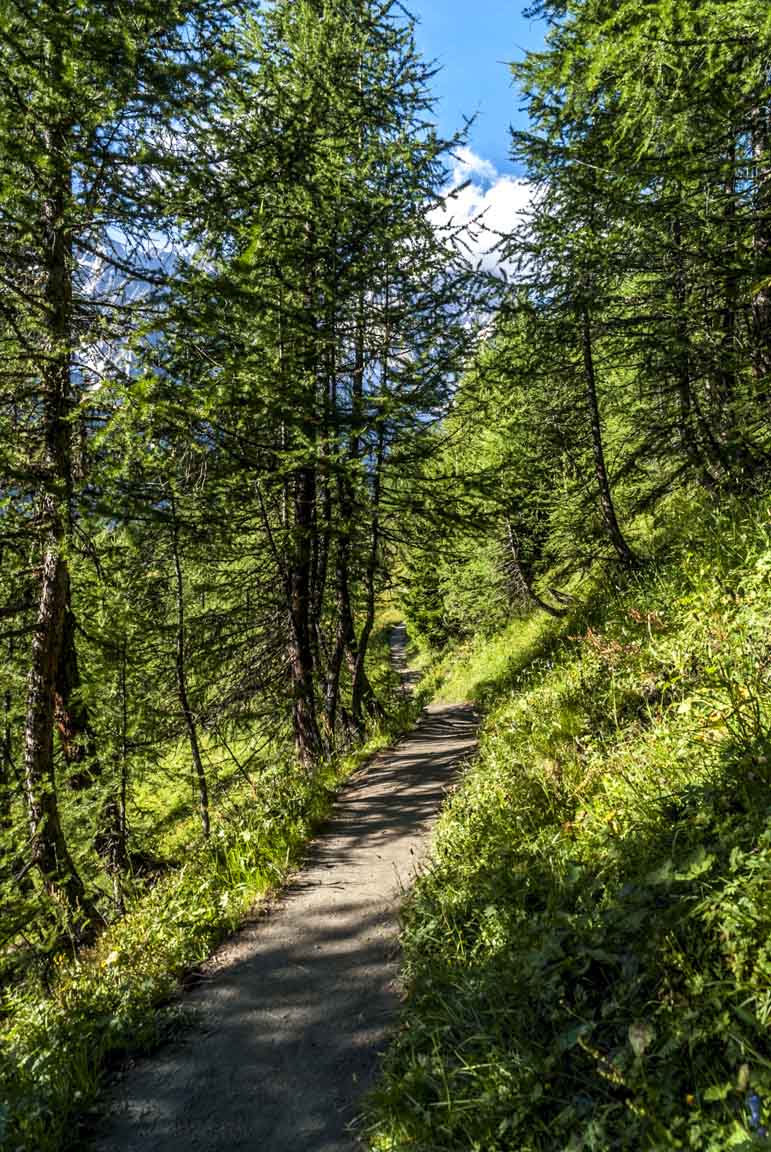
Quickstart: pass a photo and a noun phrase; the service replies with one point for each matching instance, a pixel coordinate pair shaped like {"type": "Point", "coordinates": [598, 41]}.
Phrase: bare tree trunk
{"type": "Point", "coordinates": [761, 304]}
{"type": "Point", "coordinates": [49, 848]}
{"type": "Point", "coordinates": [624, 552]}
{"type": "Point", "coordinates": [49, 851]}
{"type": "Point", "coordinates": [363, 697]}
{"type": "Point", "coordinates": [362, 694]}
{"type": "Point", "coordinates": [322, 536]}
{"type": "Point", "coordinates": [345, 635]}
{"type": "Point", "coordinates": [111, 840]}
{"type": "Point", "coordinates": [6, 764]}
{"type": "Point", "coordinates": [302, 492]}
{"type": "Point", "coordinates": [726, 375]}
{"type": "Point", "coordinates": [683, 367]}
{"type": "Point", "coordinates": [319, 569]}
{"type": "Point", "coordinates": [71, 713]}
{"type": "Point", "coordinates": [525, 590]}
{"type": "Point", "coordinates": [306, 730]}
{"type": "Point", "coordinates": [181, 671]}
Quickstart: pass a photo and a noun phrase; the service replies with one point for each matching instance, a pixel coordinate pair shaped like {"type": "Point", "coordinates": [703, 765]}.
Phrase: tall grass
{"type": "Point", "coordinates": [77, 1012]}
{"type": "Point", "coordinates": [588, 959]}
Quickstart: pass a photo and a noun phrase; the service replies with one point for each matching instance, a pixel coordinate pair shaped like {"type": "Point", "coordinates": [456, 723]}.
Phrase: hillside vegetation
{"type": "Point", "coordinates": [588, 956]}
{"type": "Point", "coordinates": [72, 1015]}
{"type": "Point", "coordinates": [258, 374]}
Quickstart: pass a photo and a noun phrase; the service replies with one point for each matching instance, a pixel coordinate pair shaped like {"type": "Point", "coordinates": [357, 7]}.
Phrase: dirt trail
{"type": "Point", "coordinates": [296, 1007]}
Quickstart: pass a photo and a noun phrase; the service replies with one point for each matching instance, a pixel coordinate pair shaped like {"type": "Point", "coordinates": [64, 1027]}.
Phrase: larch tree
{"type": "Point", "coordinates": [338, 313]}
{"type": "Point", "coordinates": [91, 97]}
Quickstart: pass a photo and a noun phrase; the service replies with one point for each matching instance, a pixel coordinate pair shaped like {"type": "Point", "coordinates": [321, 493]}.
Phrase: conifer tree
{"type": "Point", "coordinates": [648, 112]}
{"type": "Point", "coordinates": [88, 97]}
{"type": "Point", "coordinates": [339, 310]}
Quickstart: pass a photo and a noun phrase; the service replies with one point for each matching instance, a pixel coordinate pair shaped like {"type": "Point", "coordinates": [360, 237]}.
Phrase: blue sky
{"type": "Point", "coordinates": [473, 40]}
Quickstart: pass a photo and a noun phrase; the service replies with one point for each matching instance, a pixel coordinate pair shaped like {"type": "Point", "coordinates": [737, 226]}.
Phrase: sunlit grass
{"type": "Point", "coordinates": [587, 960]}
{"type": "Point", "coordinates": [75, 1011]}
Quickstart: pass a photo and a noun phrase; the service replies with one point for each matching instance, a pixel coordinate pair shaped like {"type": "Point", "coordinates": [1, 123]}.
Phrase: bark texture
{"type": "Point", "coordinates": [624, 552]}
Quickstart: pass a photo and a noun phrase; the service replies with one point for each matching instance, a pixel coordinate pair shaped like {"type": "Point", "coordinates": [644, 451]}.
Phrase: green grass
{"type": "Point", "coordinates": [588, 959]}
{"type": "Point", "coordinates": [75, 1013]}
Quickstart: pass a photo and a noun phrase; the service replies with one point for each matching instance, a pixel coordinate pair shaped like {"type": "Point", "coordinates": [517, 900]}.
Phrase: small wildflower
{"type": "Point", "coordinates": [753, 1104]}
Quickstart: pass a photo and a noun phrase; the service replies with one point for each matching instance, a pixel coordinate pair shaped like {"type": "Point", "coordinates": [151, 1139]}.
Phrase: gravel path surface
{"type": "Point", "coordinates": [295, 1008]}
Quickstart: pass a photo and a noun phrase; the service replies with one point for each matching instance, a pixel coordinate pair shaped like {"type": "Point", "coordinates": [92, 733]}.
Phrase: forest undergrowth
{"type": "Point", "coordinates": [587, 958]}
{"type": "Point", "coordinates": [69, 1016]}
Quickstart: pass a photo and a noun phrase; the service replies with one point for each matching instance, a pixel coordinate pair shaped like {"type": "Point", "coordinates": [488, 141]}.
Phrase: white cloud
{"type": "Point", "coordinates": [466, 163]}
{"type": "Point", "coordinates": [490, 205]}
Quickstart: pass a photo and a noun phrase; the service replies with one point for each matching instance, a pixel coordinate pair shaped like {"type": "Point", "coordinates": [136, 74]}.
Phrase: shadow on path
{"type": "Point", "coordinates": [299, 1003]}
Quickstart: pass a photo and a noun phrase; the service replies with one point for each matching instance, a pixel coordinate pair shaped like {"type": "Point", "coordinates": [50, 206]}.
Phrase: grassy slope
{"type": "Point", "coordinates": [64, 1023]}
{"type": "Point", "coordinates": [588, 959]}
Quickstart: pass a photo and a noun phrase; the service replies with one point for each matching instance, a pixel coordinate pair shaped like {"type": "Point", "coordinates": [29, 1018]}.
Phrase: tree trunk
{"type": "Point", "coordinates": [624, 552]}
{"type": "Point", "coordinates": [362, 694]}
{"type": "Point", "coordinates": [306, 730]}
{"type": "Point", "coordinates": [524, 588]}
{"type": "Point", "coordinates": [9, 778]}
{"type": "Point", "coordinates": [323, 534]}
{"type": "Point", "coordinates": [182, 686]}
{"type": "Point", "coordinates": [761, 304]}
{"type": "Point", "coordinates": [363, 697]}
{"type": "Point", "coordinates": [726, 374]}
{"type": "Point", "coordinates": [299, 573]}
{"type": "Point", "coordinates": [6, 765]}
{"type": "Point", "coordinates": [49, 850]}
{"type": "Point", "coordinates": [335, 665]}
{"type": "Point", "coordinates": [70, 710]}
{"type": "Point", "coordinates": [111, 840]}
{"type": "Point", "coordinates": [685, 425]}
{"type": "Point", "coordinates": [345, 633]}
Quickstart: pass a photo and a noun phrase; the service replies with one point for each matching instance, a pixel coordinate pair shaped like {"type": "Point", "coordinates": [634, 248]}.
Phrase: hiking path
{"type": "Point", "coordinates": [292, 1012]}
